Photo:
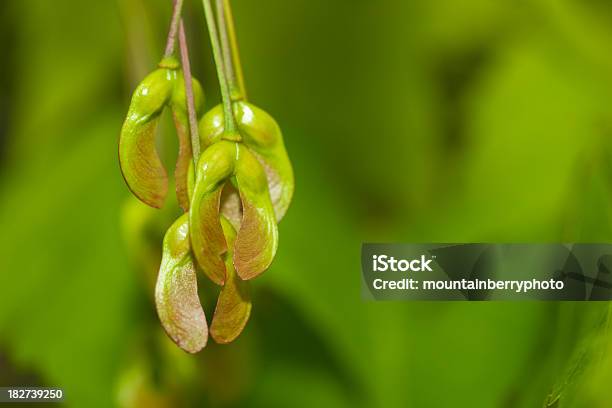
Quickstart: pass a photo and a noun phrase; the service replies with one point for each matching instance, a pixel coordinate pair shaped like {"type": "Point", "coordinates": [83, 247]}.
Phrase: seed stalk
{"type": "Point", "coordinates": [191, 111]}
{"type": "Point", "coordinates": [231, 54]}
{"type": "Point", "coordinates": [230, 122]}
{"type": "Point", "coordinates": [177, 9]}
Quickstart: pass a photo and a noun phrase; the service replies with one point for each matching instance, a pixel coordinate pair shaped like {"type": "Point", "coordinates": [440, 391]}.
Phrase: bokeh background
{"type": "Point", "coordinates": [407, 121]}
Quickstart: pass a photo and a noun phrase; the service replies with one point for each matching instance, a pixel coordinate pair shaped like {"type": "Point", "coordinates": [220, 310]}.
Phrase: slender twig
{"type": "Point", "coordinates": [230, 124]}
{"type": "Point", "coordinates": [174, 24]}
{"type": "Point", "coordinates": [191, 111]}
{"type": "Point", "coordinates": [231, 54]}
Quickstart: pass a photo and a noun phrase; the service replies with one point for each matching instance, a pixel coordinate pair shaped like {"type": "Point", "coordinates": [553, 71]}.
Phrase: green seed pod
{"type": "Point", "coordinates": [231, 207]}
{"type": "Point", "coordinates": [215, 166]}
{"type": "Point", "coordinates": [257, 238]}
{"type": "Point", "coordinates": [222, 164]}
{"type": "Point", "coordinates": [211, 127]}
{"type": "Point", "coordinates": [141, 166]}
{"type": "Point", "coordinates": [263, 136]}
{"type": "Point", "coordinates": [176, 293]}
{"type": "Point", "coordinates": [234, 303]}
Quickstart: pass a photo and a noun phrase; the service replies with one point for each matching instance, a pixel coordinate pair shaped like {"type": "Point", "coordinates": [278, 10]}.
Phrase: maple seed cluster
{"type": "Point", "coordinates": [232, 199]}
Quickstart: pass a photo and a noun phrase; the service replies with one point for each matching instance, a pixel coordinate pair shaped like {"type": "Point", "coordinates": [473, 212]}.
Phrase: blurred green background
{"type": "Point", "coordinates": [407, 121]}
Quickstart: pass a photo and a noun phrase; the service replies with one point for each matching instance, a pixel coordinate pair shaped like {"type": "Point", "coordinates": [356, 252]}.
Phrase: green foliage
{"type": "Point", "coordinates": [406, 121]}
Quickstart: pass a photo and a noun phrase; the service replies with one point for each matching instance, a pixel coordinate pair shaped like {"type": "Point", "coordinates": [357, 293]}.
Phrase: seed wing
{"type": "Point", "coordinates": [216, 165]}
{"type": "Point", "coordinates": [257, 238]}
{"type": "Point", "coordinates": [263, 136]}
{"type": "Point", "coordinates": [234, 303]}
{"type": "Point", "coordinates": [176, 293]}
{"type": "Point", "coordinates": [140, 164]}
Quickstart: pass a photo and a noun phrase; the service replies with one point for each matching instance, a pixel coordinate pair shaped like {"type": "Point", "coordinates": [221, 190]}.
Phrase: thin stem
{"type": "Point", "coordinates": [230, 124]}
{"type": "Point", "coordinates": [231, 54]}
{"type": "Point", "coordinates": [174, 23]}
{"type": "Point", "coordinates": [227, 57]}
{"type": "Point", "coordinates": [191, 111]}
